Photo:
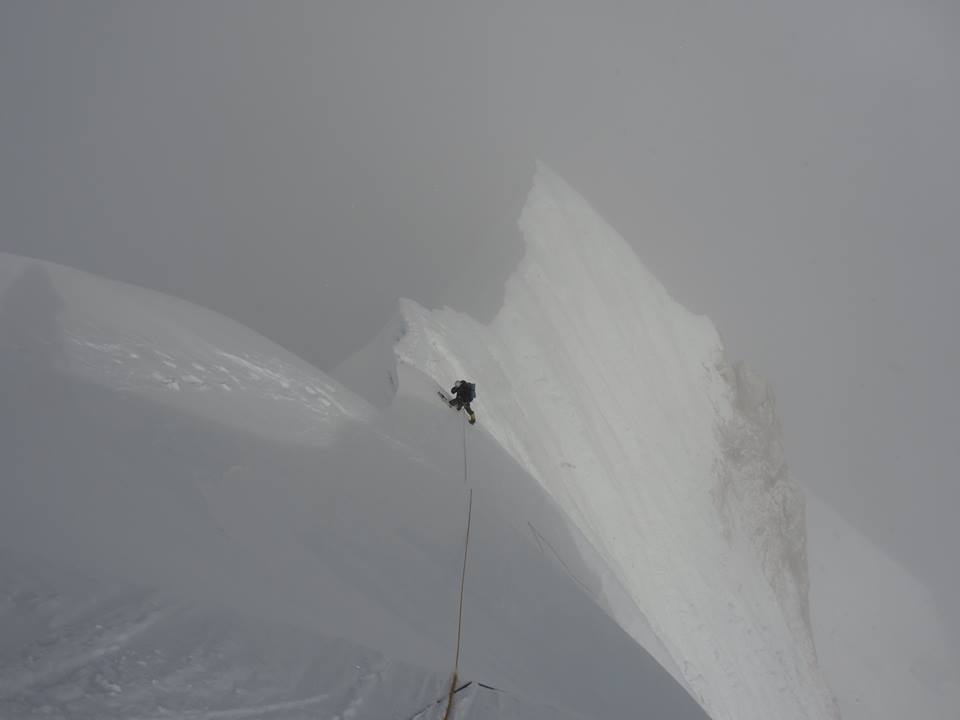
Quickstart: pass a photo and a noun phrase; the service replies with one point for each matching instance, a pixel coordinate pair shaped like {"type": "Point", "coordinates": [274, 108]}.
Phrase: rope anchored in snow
{"type": "Point", "coordinates": [422, 710]}
{"type": "Point", "coordinates": [460, 688]}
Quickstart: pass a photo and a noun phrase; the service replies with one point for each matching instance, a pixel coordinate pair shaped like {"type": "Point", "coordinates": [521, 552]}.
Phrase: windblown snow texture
{"type": "Point", "coordinates": [665, 457]}
{"type": "Point", "coordinates": [195, 523]}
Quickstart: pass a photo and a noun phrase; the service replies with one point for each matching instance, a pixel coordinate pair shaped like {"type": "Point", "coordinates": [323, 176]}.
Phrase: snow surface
{"type": "Point", "coordinates": [666, 457]}
{"type": "Point", "coordinates": [879, 635]}
{"type": "Point", "coordinates": [196, 524]}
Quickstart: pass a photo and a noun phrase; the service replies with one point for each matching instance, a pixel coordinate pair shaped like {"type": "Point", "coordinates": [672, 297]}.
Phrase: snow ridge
{"type": "Point", "coordinates": [665, 457]}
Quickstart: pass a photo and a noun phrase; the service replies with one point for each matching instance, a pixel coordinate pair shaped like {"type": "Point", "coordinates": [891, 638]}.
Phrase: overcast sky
{"type": "Point", "coordinates": [791, 169]}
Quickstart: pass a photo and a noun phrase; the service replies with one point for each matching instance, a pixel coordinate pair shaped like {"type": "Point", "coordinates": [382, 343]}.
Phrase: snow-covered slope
{"type": "Point", "coordinates": [197, 524]}
{"type": "Point", "coordinates": [665, 457]}
{"type": "Point", "coordinates": [879, 635]}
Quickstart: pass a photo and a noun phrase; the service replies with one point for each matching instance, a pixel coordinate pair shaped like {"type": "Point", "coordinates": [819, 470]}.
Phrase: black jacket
{"type": "Point", "coordinates": [465, 391]}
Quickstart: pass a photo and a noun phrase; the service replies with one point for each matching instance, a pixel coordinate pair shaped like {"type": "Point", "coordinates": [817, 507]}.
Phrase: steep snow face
{"type": "Point", "coordinates": [665, 457]}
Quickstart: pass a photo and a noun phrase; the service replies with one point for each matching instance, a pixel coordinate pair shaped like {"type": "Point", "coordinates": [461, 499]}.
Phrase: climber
{"type": "Point", "coordinates": [463, 393]}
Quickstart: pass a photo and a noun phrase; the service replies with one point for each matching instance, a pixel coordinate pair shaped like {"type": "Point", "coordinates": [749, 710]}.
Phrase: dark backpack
{"type": "Point", "coordinates": [466, 391]}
